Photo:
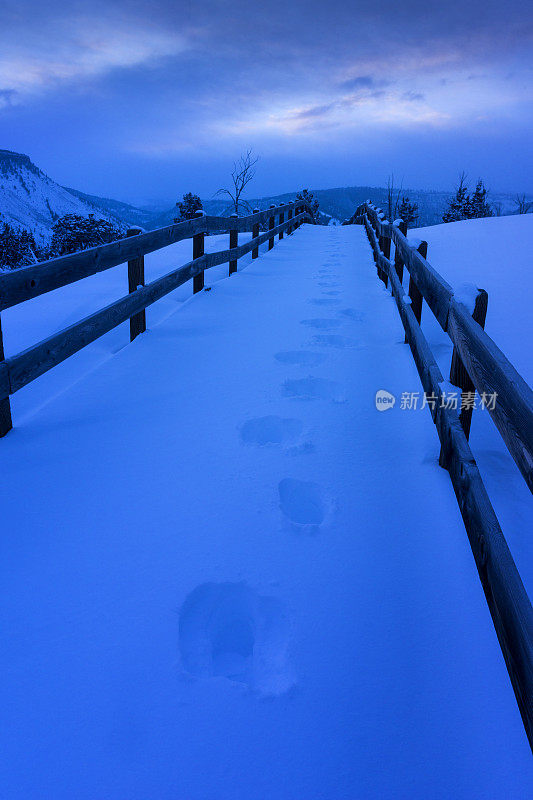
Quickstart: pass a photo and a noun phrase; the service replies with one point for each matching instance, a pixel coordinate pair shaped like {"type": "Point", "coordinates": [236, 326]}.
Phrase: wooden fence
{"type": "Point", "coordinates": [477, 363]}
{"type": "Point", "coordinates": [24, 284]}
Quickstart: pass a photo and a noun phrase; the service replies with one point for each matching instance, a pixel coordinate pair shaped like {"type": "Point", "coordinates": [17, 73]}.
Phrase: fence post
{"type": "Point", "coordinates": [281, 219]}
{"type": "Point", "coordinates": [296, 212]}
{"type": "Point", "coordinates": [6, 422]}
{"type": "Point", "coordinates": [385, 244]}
{"type": "Point", "coordinates": [398, 263]}
{"type": "Point", "coordinates": [233, 242]}
{"type": "Point", "coordinates": [255, 234]}
{"type": "Point", "coordinates": [197, 252]}
{"type": "Point", "coordinates": [136, 279]}
{"type": "Point", "coordinates": [458, 374]}
{"type": "Point", "coordinates": [414, 293]}
{"type": "Point", "coordinates": [376, 259]}
{"type": "Point", "coordinates": [271, 225]}
{"type": "Point", "coordinates": [289, 217]}
{"type": "Point", "coordinates": [379, 239]}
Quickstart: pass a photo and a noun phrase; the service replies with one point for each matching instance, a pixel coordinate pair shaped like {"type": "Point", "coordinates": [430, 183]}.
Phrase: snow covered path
{"type": "Point", "coordinates": [225, 574]}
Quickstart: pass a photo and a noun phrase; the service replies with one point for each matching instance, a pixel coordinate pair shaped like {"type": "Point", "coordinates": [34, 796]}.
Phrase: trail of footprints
{"type": "Point", "coordinates": [303, 503]}
{"type": "Point", "coordinates": [228, 630]}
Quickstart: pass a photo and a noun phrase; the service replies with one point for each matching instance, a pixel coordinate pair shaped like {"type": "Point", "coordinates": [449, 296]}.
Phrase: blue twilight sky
{"type": "Point", "coordinates": [139, 100]}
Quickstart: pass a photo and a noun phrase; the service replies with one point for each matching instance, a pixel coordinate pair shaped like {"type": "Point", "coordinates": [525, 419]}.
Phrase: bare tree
{"type": "Point", "coordinates": [523, 206]}
{"type": "Point", "coordinates": [243, 172]}
{"type": "Point", "coordinates": [393, 198]}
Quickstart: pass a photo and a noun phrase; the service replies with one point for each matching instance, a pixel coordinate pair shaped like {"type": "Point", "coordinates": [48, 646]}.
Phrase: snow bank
{"type": "Point", "coordinates": [494, 254]}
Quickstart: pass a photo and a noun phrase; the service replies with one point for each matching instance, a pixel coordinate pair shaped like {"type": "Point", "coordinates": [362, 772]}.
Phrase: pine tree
{"type": "Point", "coordinates": [309, 198]}
{"type": "Point", "coordinates": [73, 232]}
{"type": "Point", "coordinates": [17, 248]}
{"type": "Point", "coordinates": [458, 206]}
{"type": "Point", "coordinates": [188, 207]}
{"type": "Point", "coordinates": [408, 212]}
{"type": "Point", "coordinates": [478, 203]}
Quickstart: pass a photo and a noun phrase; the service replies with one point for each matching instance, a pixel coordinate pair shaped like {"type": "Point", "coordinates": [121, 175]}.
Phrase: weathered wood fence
{"type": "Point", "coordinates": [29, 282]}
{"type": "Point", "coordinates": [477, 363]}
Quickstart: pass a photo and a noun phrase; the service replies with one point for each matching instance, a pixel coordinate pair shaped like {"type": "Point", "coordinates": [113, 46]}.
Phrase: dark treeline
{"type": "Point", "coordinates": [70, 233]}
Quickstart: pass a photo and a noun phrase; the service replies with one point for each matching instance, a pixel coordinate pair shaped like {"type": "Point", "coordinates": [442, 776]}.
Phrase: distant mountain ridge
{"type": "Point", "coordinates": [131, 215]}
{"type": "Point", "coordinates": [340, 203]}
{"type": "Point", "coordinates": [31, 200]}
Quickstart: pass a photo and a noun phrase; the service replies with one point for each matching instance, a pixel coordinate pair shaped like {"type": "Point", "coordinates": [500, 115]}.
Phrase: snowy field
{"type": "Point", "coordinates": [225, 574]}
{"type": "Point", "coordinates": [494, 254]}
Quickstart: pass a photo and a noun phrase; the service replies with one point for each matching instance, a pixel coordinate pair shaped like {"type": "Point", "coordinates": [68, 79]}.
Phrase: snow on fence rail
{"type": "Point", "coordinates": [24, 284]}
{"type": "Point", "coordinates": [477, 363]}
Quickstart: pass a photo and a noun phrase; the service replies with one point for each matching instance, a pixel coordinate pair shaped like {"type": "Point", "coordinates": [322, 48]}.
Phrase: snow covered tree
{"type": "Point", "coordinates": [408, 212]}
{"type": "Point", "coordinates": [17, 248]}
{"type": "Point", "coordinates": [188, 207]}
{"type": "Point", "coordinates": [309, 198]}
{"type": "Point", "coordinates": [73, 232]}
{"type": "Point", "coordinates": [478, 206]}
{"type": "Point", "coordinates": [466, 206]}
{"type": "Point", "coordinates": [458, 205]}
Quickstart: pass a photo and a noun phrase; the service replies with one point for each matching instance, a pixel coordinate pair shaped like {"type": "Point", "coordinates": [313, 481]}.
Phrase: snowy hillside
{"type": "Point", "coordinates": [129, 214]}
{"type": "Point", "coordinates": [31, 200]}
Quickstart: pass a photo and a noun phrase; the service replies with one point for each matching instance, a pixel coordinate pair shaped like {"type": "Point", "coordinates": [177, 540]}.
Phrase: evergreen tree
{"type": "Point", "coordinates": [478, 203]}
{"type": "Point", "coordinates": [17, 248]}
{"type": "Point", "coordinates": [188, 207]}
{"type": "Point", "coordinates": [73, 232]}
{"type": "Point", "coordinates": [458, 206]}
{"type": "Point", "coordinates": [408, 212]}
{"type": "Point", "coordinates": [309, 198]}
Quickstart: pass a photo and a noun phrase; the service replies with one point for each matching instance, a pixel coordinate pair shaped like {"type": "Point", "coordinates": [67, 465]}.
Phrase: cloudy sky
{"type": "Point", "coordinates": [138, 100]}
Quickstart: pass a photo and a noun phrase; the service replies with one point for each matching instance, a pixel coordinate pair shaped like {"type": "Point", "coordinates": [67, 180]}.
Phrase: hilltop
{"type": "Point", "coordinates": [31, 200]}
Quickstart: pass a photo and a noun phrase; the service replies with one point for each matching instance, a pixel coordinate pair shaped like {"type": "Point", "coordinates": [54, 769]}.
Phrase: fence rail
{"type": "Point", "coordinates": [476, 362]}
{"type": "Point", "coordinates": [29, 282]}
{"type": "Point", "coordinates": [488, 368]}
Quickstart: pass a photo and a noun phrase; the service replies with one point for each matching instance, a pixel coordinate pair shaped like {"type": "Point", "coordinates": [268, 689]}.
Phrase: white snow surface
{"type": "Point", "coordinates": [466, 293]}
{"type": "Point", "coordinates": [493, 254]}
{"type": "Point", "coordinates": [225, 573]}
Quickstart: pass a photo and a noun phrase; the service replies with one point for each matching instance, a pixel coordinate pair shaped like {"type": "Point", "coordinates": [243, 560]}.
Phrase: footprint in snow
{"type": "Point", "coordinates": [303, 358]}
{"type": "Point", "coordinates": [313, 389]}
{"type": "Point", "coordinates": [324, 301]}
{"type": "Point", "coordinates": [354, 313]}
{"type": "Point", "coordinates": [271, 430]}
{"type": "Point", "coordinates": [228, 630]}
{"type": "Point", "coordinates": [332, 340]}
{"type": "Point", "coordinates": [302, 502]}
{"type": "Point", "coordinates": [321, 323]}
